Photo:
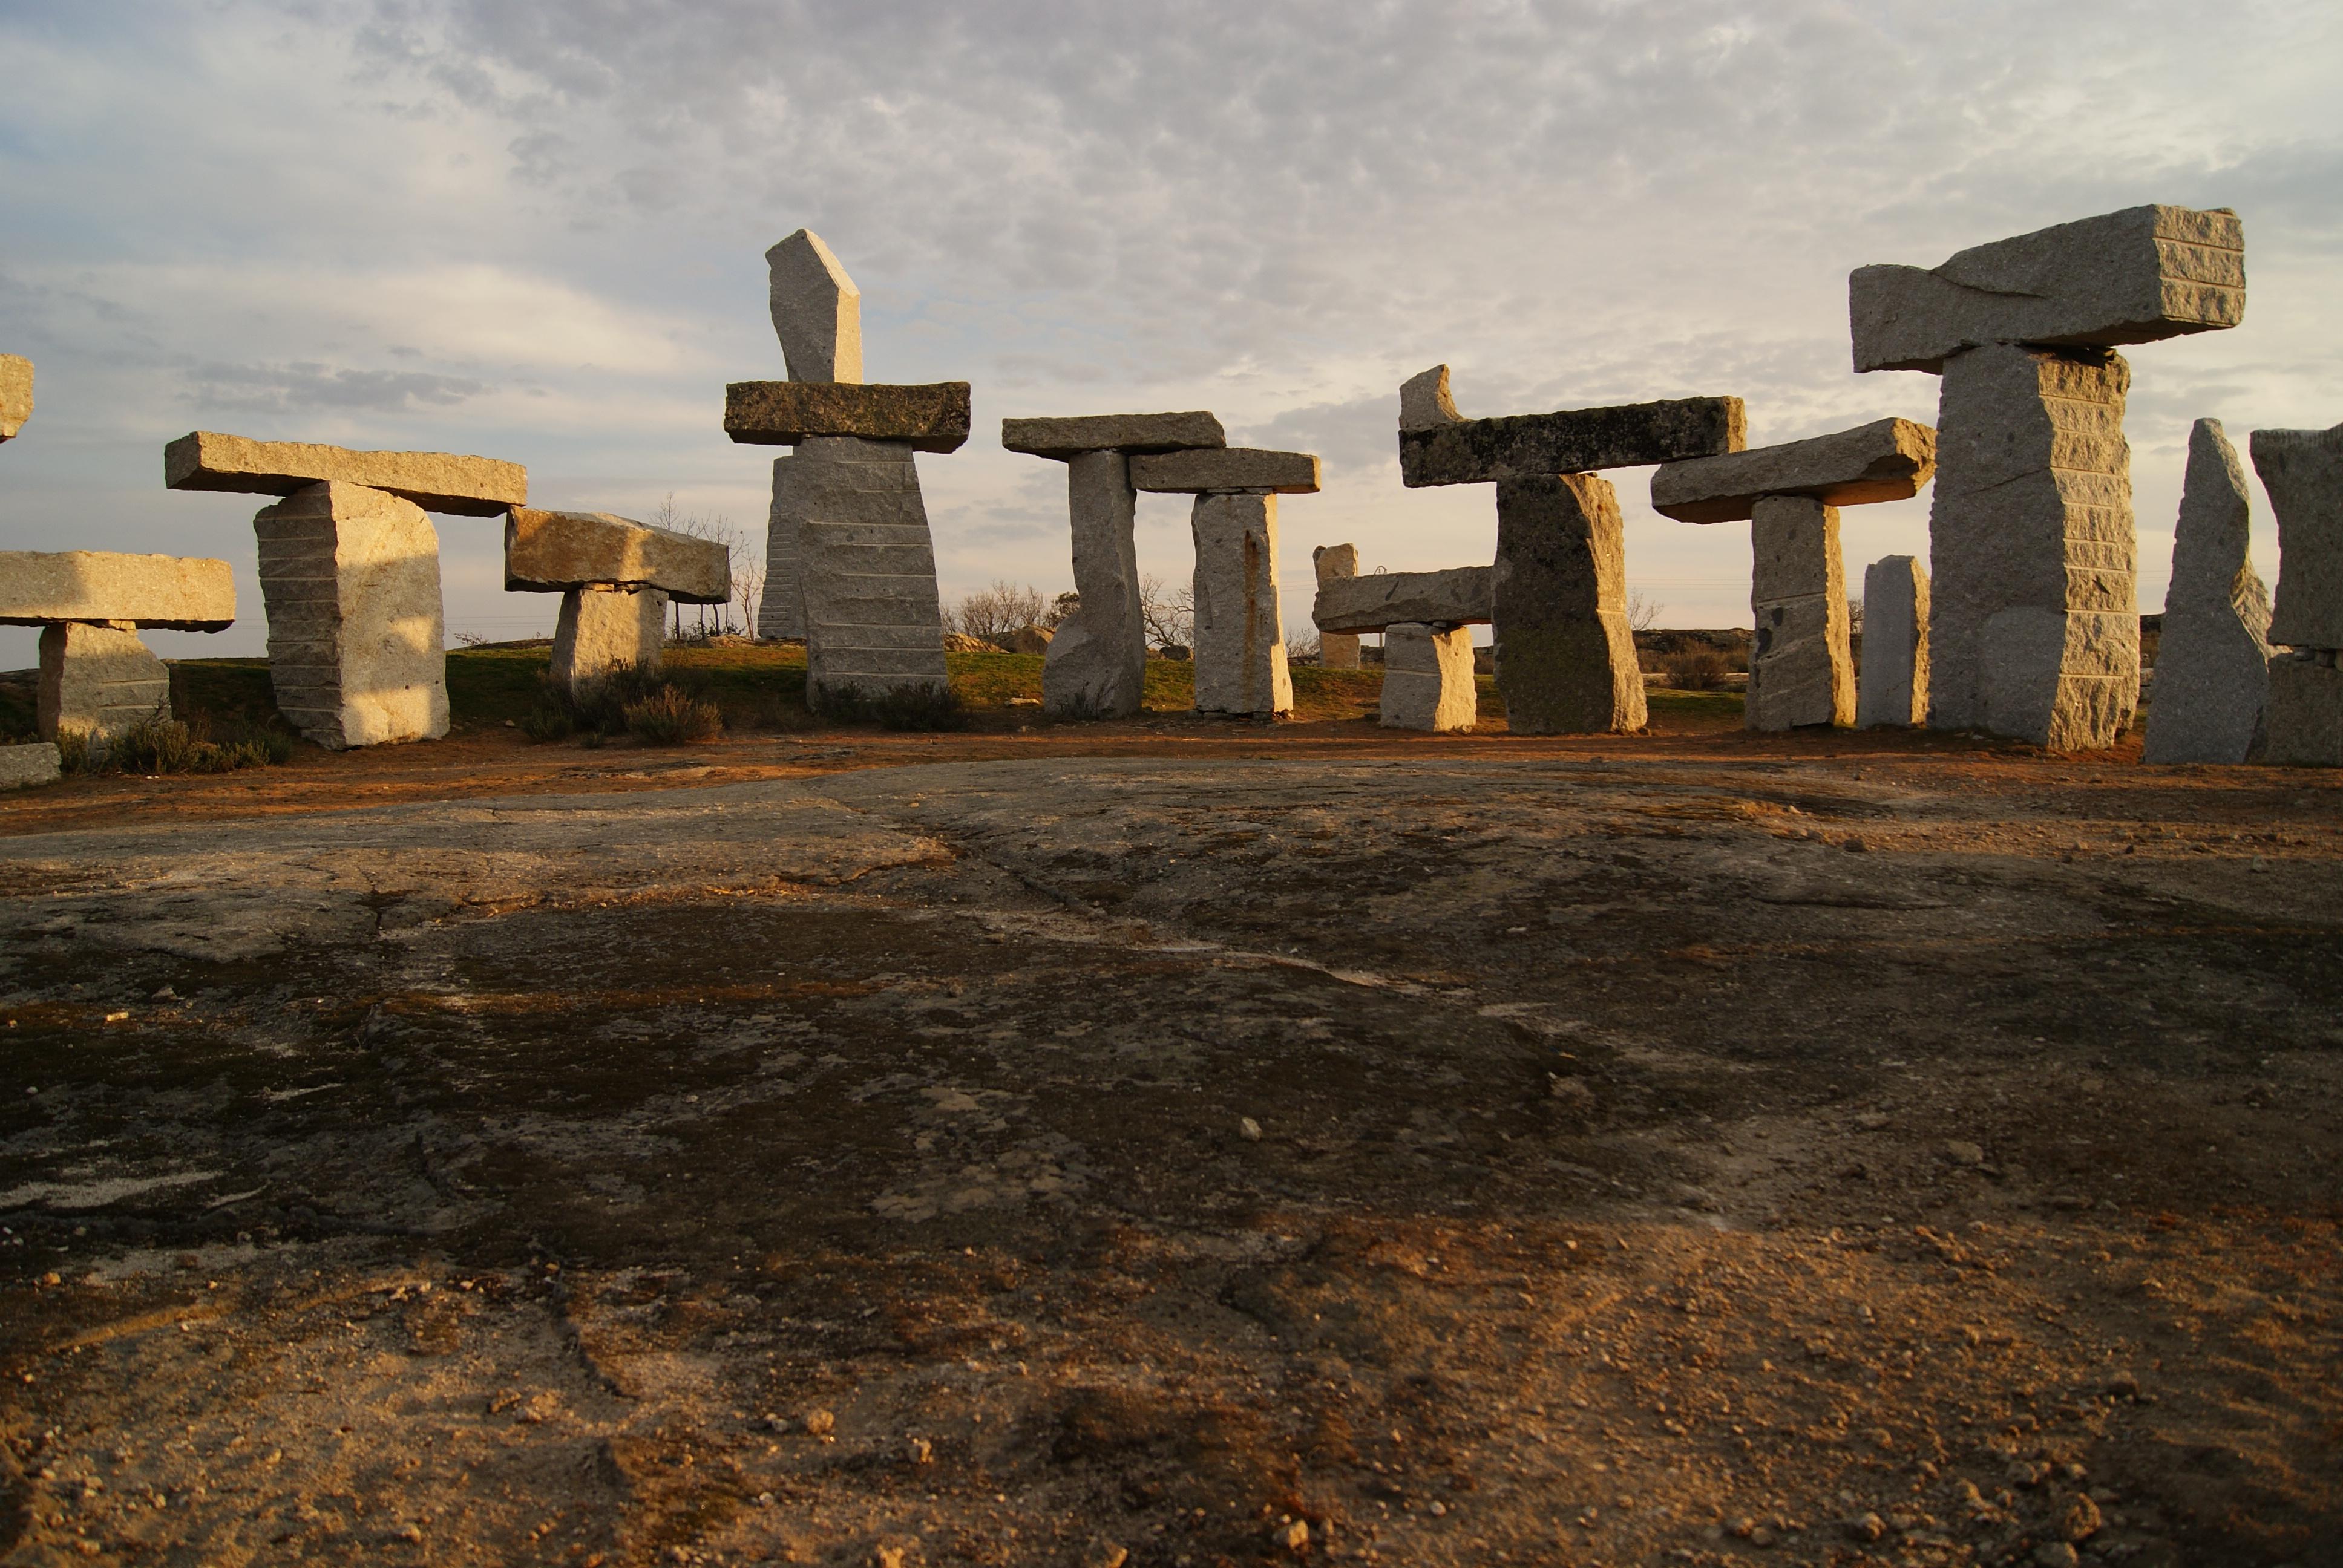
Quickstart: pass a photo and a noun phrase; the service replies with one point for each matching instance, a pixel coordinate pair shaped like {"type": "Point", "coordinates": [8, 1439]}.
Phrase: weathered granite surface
{"type": "Point", "coordinates": [780, 612]}
{"type": "Point", "coordinates": [98, 681]}
{"type": "Point", "coordinates": [1570, 441]}
{"type": "Point", "coordinates": [1206, 470]}
{"type": "Point", "coordinates": [1336, 649]}
{"type": "Point", "coordinates": [1566, 657]}
{"type": "Point", "coordinates": [2303, 472]}
{"type": "Point", "coordinates": [1460, 595]}
{"type": "Point", "coordinates": [37, 763]}
{"type": "Point", "coordinates": [350, 580]}
{"type": "Point", "coordinates": [1425, 400]}
{"type": "Point", "coordinates": [817, 310]}
{"type": "Point", "coordinates": [1096, 665]}
{"type": "Point", "coordinates": [2034, 631]}
{"type": "Point", "coordinates": [1240, 634]}
{"type": "Point", "coordinates": [1128, 433]}
{"type": "Point", "coordinates": [1891, 687]}
{"type": "Point", "coordinates": [603, 631]}
{"type": "Point", "coordinates": [15, 394]}
{"type": "Point", "coordinates": [2212, 662]}
{"type": "Point", "coordinates": [554, 552]}
{"type": "Point", "coordinates": [873, 622]}
{"type": "Point", "coordinates": [185, 593]}
{"type": "Point", "coordinates": [1885, 460]}
{"type": "Point", "coordinates": [435, 481]}
{"type": "Point", "coordinates": [927, 419]}
{"type": "Point", "coordinates": [2131, 277]}
{"type": "Point", "coordinates": [2306, 710]}
{"type": "Point", "coordinates": [1801, 671]}
{"type": "Point", "coordinates": [1428, 677]}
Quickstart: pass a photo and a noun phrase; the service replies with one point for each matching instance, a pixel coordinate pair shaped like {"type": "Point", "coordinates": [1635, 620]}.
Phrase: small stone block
{"type": "Point", "coordinates": [1886, 460]}
{"type": "Point", "coordinates": [1570, 441]}
{"type": "Point", "coordinates": [551, 552]}
{"type": "Point", "coordinates": [37, 763]}
{"type": "Point", "coordinates": [927, 419]}
{"type": "Point", "coordinates": [817, 310]}
{"type": "Point", "coordinates": [1070, 437]}
{"type": "Point", "coordinates": [15, 394]}
{"type": "Point", "coordinates": [601, 631]}
{"type": "Point", "coordinates": [98, 681]}
{"type": "Point", "coordinates": [2303, 472]}
{"type": "Point", "coordinates": [1336, 650]}
{"type": "Point", "coordinates": [2137, 275]}
{"type": "Point", "coordinates": [1228, 471]}
{"type": "Point", "coordinates": [1428, 678]}
{"type": "Point", "coordinates": [435, 481]}
{"type": "Point", "coordinates": [1425, 400]}
{"type": "Point", "coordinates": [1462, 595]}
{"type": "Point", "coordinates": [185, 593]}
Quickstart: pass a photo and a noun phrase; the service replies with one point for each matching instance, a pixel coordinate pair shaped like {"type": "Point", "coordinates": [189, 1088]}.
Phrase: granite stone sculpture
{"type": "Point", "coordinates": [2303, 472]}
{"type": "Point", "coordinates": [1336, 649]}
{"type": "Point", "coordinates": [616, 577]}
{"type": "Point", "coordinates": [1427, 648]}
{"type": "Point", "coordinates": [2035, 630]}
{"type": "Point", "coordinates": [1891, 687]}
{"type": "Point", "coordinates": [2212, 660]}
{"type": "Point", "coordinates": [1567, 659]}
{"type": "Point", "coordinates": [97, 678]}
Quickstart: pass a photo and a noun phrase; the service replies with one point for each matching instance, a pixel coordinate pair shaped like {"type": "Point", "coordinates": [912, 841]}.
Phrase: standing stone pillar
{"type": "Point", "coordinates": [2036, 619]}
{"type": "Point", "coordinates": [1239, 656]}
{"type": "Point", "coordinates": [781, 610]}
{"type": "Point", "coordinates": [1801, 668]}
{"type": "Point", "coordinates": [1096, 665]}
{"type": "Point", "coordinates": [616, 577]}
{"type": "Point", "coordinates": [1894, 684]}
{"type": "Point", "coordinates": [350, 573]}
{"type": "Point", "coordinates": [1337, 649]}
{"type": "Point", "coordinates": [1565, 654]}
{"type": "Point", "coordinates": [2212, 662]}
{"type": "Point", "coordinates": [1428, 677]}
{"type": "Point", "coordinates": [866, 565]}
{"type": "Point", "coordinates": [2303, 472]}
{"type": "Point", "coordinates": [98, 680]}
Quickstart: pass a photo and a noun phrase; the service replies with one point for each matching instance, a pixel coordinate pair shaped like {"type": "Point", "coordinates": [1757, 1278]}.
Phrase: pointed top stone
{"type": "Point", "coordinates": [817, 310]}
{"type": "Point", "coordinates": [15, 394]}
{"type": "Point", "coordinates": [1424, 400]}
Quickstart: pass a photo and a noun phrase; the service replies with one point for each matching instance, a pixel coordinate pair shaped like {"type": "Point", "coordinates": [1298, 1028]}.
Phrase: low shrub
{"type": "Point", "coordinates": [154, 746]}
{"type": "Point", "coordinates": [1696, 669]}
{"type": "Point", "coordinates": [672, 716]}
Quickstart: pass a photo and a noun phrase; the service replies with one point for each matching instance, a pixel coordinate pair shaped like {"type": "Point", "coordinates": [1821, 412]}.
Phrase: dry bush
{"type": "Point", "coordinates": [673, 716]}
{"type": "Point", "coordinates": [1696, 669]}
{"type": "Point", "coordinates": [991, 612]}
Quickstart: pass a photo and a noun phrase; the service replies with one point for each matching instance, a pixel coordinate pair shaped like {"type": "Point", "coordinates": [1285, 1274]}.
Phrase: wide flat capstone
{"type": "Point", "coordinates": [49, 588]}
{"type": "Point", "coordinates": [1885, 460]}
{"type": "Point", "coordinates": [926, 418]}
{"type": "Point", "coordinates": [1462, 595]}
{"type": "Point", "coordinates": [2136, 276]}
{"type": "Point", "coordinates": [1228, 470]}
{"type": "Point", "coordinates": [435, 481]}
{"type": "Point", "coordinates": [15, 394]}
{"type": "Point", "coordinates": [549, 552]}
{"type": "Point", "coordinates": [1072, 436]}
{"type": "Point", "coordinates": [1570, 441]}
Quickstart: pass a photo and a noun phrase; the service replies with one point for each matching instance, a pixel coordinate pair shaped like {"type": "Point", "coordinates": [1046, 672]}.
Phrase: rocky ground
{"type": "Point", "coordinates": [1222, 1146]}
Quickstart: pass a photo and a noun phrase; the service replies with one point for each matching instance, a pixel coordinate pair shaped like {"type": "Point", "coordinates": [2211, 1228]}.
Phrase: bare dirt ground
{"type": "Point", "coordinates": [1172, 1144]}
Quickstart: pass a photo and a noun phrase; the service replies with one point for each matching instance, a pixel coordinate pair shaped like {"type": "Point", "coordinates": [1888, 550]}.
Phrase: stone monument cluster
{"type": "Point", "coordinates": [2028, 627]}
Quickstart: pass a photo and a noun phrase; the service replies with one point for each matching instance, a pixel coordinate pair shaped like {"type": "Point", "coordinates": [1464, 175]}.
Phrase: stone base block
{"type": "Point", "coordinates": [604, 630]}
{"type": "Point", "coordinates": [35, 764]}
{"type": "Point", "coordinates": [1559, 595]}
{"type": "Point", "coordinates": [357, 645]}
{"type": "Point", "coordinates": [868, 564]}
{"type": "Point", "coordinates": [1800, 669]}
{"type": "Point", "coordinates": [1428, 677]}
{"type": "Point", "coordinates": [1240, 636]}
{"type": "Point", "coordinates": [1338, 650]}
{"type": "Point", "coordinates": [98, 681]}
{"type": "Point", "coordinates": [2306, 711]}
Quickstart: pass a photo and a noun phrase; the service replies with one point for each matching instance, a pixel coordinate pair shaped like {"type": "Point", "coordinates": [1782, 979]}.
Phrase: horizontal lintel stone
{"type": "Point", "coordinates": [54, 588]}
{"type": "Point", "coordinates": [1462, 595]}
{"type": "Point", "coordinates": [927, 419]}
{"type": "Point", "coordinates": [1226, 470]}
{"type": "Point", "coordinates": [1885, 460]}
{"type": "Point", "coordinates": [551, 552]}
{"type": "Point", "coordinates": [435, 481]}
{"type": "Point", "coordinates": [2137, 275]}
{"type": "Point", "coordinates": [15, 394]}
{"type": "Point", "coordinates": [1070, 437]}
{"type": "Point", "coordinates": [1570, 441]}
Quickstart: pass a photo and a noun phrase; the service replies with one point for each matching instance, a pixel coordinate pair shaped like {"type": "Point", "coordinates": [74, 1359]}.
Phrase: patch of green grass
{"type": "Point", "coordinates": [1674, 703]}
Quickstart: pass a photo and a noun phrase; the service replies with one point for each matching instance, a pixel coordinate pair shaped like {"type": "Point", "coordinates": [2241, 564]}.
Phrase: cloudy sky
{"type": "Point", "coordinates": [536, 231]}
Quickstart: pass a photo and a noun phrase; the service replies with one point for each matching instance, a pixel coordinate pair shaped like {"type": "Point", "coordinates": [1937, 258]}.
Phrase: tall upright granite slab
{"type": "Point", "coordinates": [1566, 655]}
{"type": "Point", "coordinates": [780, 609]}
{"type": "Point", "coordinates": [2303, 472]}
{"type": "Point", "coordinates": [1891, 687]}
{"type": "Point", "coordinates": [616, 577]}
{"type": "Point", "coordinates": [848, 500]}
{"type": "Point", "coordinates": [1428, 677]}
{"type": "Point", "coordinates": [2035, 632]}
{"type": "Point", "coordinates": [1096, 666]}
{"type": "Point", "coordinates": [97, 678]}
{"type": "Point", "coordinates": [1240, 654]}
{"type": "Point", "coordinates": [98, 681]}
{"type": "Point", "coordinates": [350, 573]}
{"type": "Point", "coordinates": [2212, 662]}
{"type": "Point", "coordinates": [1336, 649]}
{"type": "Point", "coordinates": [1801, 668]}
{"type": "Point", "coordinates": [357, 645]}
{"type": "Point", "coordinates": [15, 394]}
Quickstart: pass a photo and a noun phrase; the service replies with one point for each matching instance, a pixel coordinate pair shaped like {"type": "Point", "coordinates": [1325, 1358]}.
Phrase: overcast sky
{"type": "Point", "coordinates": [536, 232]}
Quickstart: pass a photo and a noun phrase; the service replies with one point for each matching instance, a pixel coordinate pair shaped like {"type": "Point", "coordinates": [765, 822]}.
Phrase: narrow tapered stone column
{"type": "Point", "coordinates": [780, 612]}
{"type": "Point", "coordinates": [1239, 638]}
{"type": "Point", "coordinates": [1096, 667]}
{"type": "Point", "coordinates": [2303, 472]}
{"type": "Point", "coordinates": [2212, 661]}
{"type": "Point", "coordinates": [1337, 649]}
{"type": "Point", "coordinates": [1800, 669]}
{"type": "Point", "coordinates": [1565, 655]}
{"type": "Point", "coordinates": [1892, 687]}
